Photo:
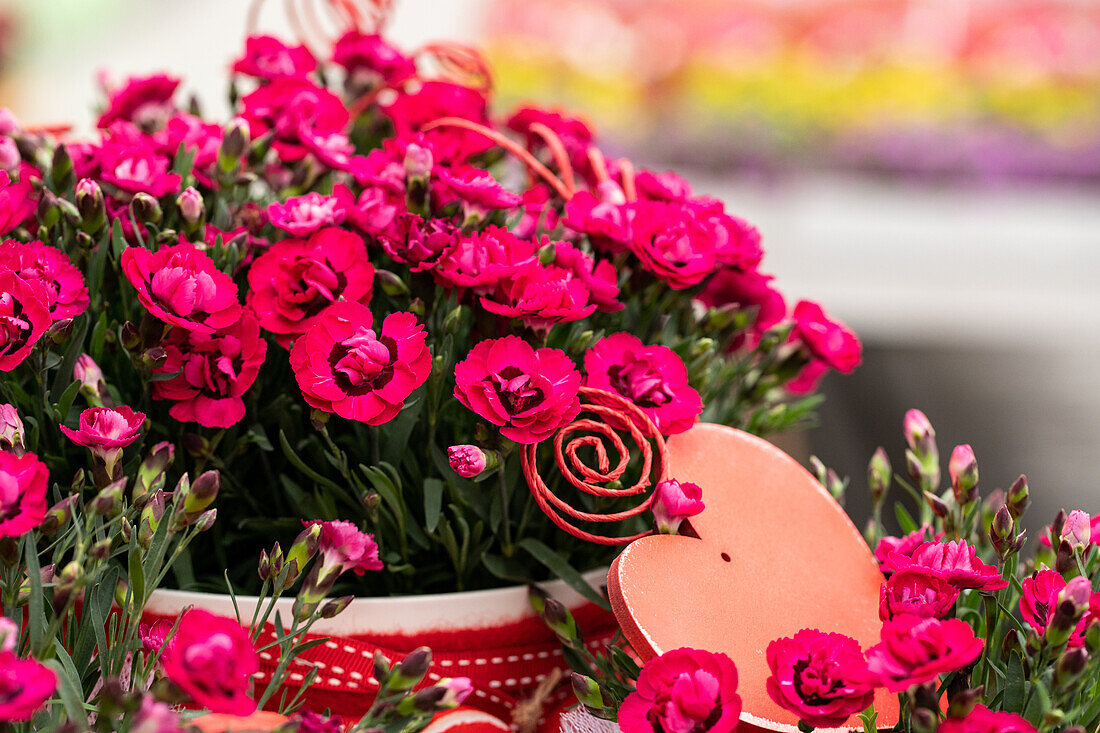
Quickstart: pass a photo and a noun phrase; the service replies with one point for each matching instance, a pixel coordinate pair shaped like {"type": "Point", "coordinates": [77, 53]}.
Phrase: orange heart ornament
{"type": "Point", "coordinates": [774, 553]}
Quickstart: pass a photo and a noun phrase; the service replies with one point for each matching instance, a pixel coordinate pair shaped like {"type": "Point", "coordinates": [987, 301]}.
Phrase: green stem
{"type": "Point", "coordinates": [505, 520]}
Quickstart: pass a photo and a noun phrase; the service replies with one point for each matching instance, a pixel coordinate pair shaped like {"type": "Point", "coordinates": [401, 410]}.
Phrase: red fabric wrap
{"type": "Point", "coordinates": [504, 663]}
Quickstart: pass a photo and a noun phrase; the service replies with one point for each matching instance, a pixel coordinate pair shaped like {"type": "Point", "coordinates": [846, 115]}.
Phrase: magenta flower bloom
{"type": "Point", "coordinates": [683, 691]}
{"type": "Point", "coordinates": [956, 562]}
{"type": "Point", "coordinates": [916, 650]}
{"type": "Point", "coordinates": [304, 215]}
{"type": "Point", "coordinates": [11, 429]}
{"type": "Point", "coordinates": [901, 545]}
{"type": "Point", "coordinates": [343, 547]}
{"type": "Point", "coordinates": [983, 720]}
{"type": "Point", "coordinates": [213, 371]}
{"type": "Point", "coordinates": [268, 58]}
{"type": "Point", "coordinates": [311, 722]}
{"type": "Point", "coordinates": [745, 289]}
{"type": "Point", "coordinates": [298, 111]}
{"type": "Point", "coordinates": [575, 135]}
{"type": "Point", "coordinates": [61, 281]}
{"type": "Point", "coordinates": [605, 222]}
{"type": "Point", "coordinates": [1077, 529]}
{"type": "Point", "coordinates": [466, 460]}
{"type": "Point", "coordinates": [482, 259]}
{"type": "Point", "coordinates": [673, 502]}
{"type": "Point", "coordinates": [24, 317]}
{"type": "Point", "coordinates": [916, 594]}
{"type": "Point", "coordinates": [673, 243]}
{"type": "Point", "coordinates": [457, 690]}
{"type": "Point", "coordinates": [344, 366]}
{"type": "Point", "coordinates": [294, 281]}
{"type": "Point", "coordinates": [666, 186]}
{"type": "Point", "coordinates": [25, 685]}
{"type": "Point", "coordinates": [736, 242]}
{"type": "Point", "coordinates": [106, 432]}
{"type": "Point", "coordinates": [528, 393]}
{"type": "Point", "coordinates": [652, 377]}
{"type": "Point", "coordinates": [137, 167]}
{"type": "Point", "coordinates": [418, 243]}
{"type": "Point", "coordinates": [822, 678]}
{"type": "Point", "coordinates": [156, 717]}
{"type": "Point", "coordinates": [1040, 600]}
{"type": "Point", "coordinates": [477, 189]}
{"type": "Point", "coordinates": [17, 200]}
{"type": "Point", "coordinates": [141, 99]}
{"type": "Point", "coordinates": [599, 276]}
{"type": "Point", "coordinates": [153, 636]}
{"type": "Point", "coordinates": [375, 210]}
{"type": "Point", "coordinates": [827, 340]}
{"type": "Point", "coordinates": [22, 493]}
{"type": "Point", "coordinates": [200, 137]}
{"type": "Point", "coordinates": [541, 297]}
{"type": "Point", "coordinates": [212, 659]}
{"type": "Point", "coordinates": [180, 286]}
{"type": "Point", "coordinates": [432, 100]}
{"type": "Point", "coordinates": [370, 58]}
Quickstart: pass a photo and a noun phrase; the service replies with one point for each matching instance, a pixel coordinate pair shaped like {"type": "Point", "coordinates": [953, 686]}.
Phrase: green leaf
{"type": "Point", "coordinates": [37, 618]}
{"type": "Point", "coordinates": [1039, 705]}
{"type": "Point", "coordinates": [561, 568]}
{"type": "Point", "coordinates": [95, 270]}
{"type": "Point", "coordinates": [905, 519]}
{"type": "Point", "coordinates": [301, 465]}
{"type": "Point", "coordinates": [137, 574]}
{"type": "Point", "coordinates": [76, 347]}
{"type": "Point", "coordinates": [433, 502]}
{"type": "Point", "coordinates": [118, 242]}
{"type": "Point", "coordinates": [99, 336]}
{"type": "Point", "coordinates": [1014, 684]}
{"type": "Point", "coordinates": [66, 402]}
{"type": "Point", "coordinates": [68, 685]}
{"type": "Point", "coordinates": [505, 568]}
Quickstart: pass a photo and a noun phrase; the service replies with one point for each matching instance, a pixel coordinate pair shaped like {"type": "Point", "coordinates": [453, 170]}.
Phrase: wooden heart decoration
{"type": "Point", "coordinates": [774, 554]}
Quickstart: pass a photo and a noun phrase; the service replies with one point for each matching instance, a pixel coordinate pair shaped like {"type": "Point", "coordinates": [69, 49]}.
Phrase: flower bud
{"type": "Point", "coordinates": [152, 472]}
{"type": "Point", "coordinates": [469, 461]}
{"type": "Point", "coordinates": [108, 502]}
{"type": "Point", "coordinates": [69, 582]}
{"type": "Point", "coordinates": [879, 475]}
{"type": "Point", "coordinates": [587, 691]}
{"type": "Point", "coordinates": [1071, 605]}
{"type": "Point", "coordinates": [1018, 497]}
{"type": "Point", "coordinates": [452, 320]}
{"type": "Point", "coordinates": [835, 485]}
{"type": "Point", "coordinates": [191, 206]}
{"type": "Point", "coordinates": [203, 492]}
{"type": "Point", "coordinates": [939, 506]}
{"type": "Point", "coordinates": [61, 331]}
{"type": "Point", "coordinates": [48, 212]}
{"type": "Point", "coordinates": [234, 143]}
{"type": "Point", "coordinates": [673, 502]}
{"type": "Point", "coordinates": [418, 162]}
{"type": "Point", "coordinates": [381, 666]}
{"type": "Point", "coordinates": [11, 430]}
{"type": "Point", "coordinates": [130, 336]}
{"type": "Point", "coordinates": [9, 155]}
{"type": "Point", "coordinates": [1071, 665]}
{"type": "Point", "coordinates": [89, 202]}
{"type": "Point", "coordinates": [456, 690]}
{"type": "Point", "coordinates": [126, 529]}
{"type": "Point", "coordinates": [100, 550]}
{"type": "Point", "coordinates": [61, 168]}
{"type": "Point", "coordinates": [59, 515]}
{"type": "Point", "coordinates": [90, 376]}
{"type": "Point", "coordinates": [264, 569]}
{"type": "Point", "coordinates": [1065, 559]}
{"type": "Point", "coordinates": [962, 703]}
{"type": "Point", "coordinates": [333, 608]}
{"type": "Point", "coordinates": [206, 520]}
{"type": "Point", "coordinates": [918, 431]}
{"type": "Point", "coordinates": [302, 551]}
{"type": "Point", "coordinates": [561, 622]}
{"type": "Point", "coordinates": [151, 516]}
{"type": "Point", "coordinates": [963, 469]}
{"type": "Point", "coordinates": [1002, 534]}
{"type": "Point", "coordinates": [411, 669]}
{"type": "Point", "coordinates": [1077, 530]}
{"type": "Point", "coordinates": [145, 209]}
{"type": "Point", "coordinates": [390, 283]}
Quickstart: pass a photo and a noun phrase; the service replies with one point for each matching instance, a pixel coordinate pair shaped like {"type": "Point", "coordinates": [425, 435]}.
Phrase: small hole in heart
{"type": "Point", "coordinates": [726, 556]}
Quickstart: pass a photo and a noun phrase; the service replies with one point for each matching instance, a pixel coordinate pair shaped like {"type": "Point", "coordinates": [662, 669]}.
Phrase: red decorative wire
{"type": "Point", "coordinates": [616, 414]}
{"type": "Point", "coordinates": [460, 63]}
{"type": "Point", "coordinates": [368, 16]}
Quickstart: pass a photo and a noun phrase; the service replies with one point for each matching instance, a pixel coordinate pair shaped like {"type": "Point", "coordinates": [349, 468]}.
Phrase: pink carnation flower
{"type": "Point", "coordinates": [22, 493]}
{"type": "Point", "coordinates": [212, 659]}
{"type": "Point", "coordinates": [294, 281]}
{"type": "Point", "coordinates": [180, 285]}
{"type": "Point", "coordinates": [11, 429]}
{"type": "Point", "coordinates": [477, 189]}
{"type": "Point", "coordinates": [106, 431]}
{"type": "Point", "coordinates": [528, 393]}
{"type": "Point", "coordinates": [576, 136]}
{"type": "Point", "coordinates": [344, 366]}
{"type": "Point", "coordinates": [983, 720]}
{"type": "Point", "coordinates": [304, 215]}
{"type": "Point", "coordinates": [141, 100]}
{"type": "Point", "coordinates": [1039, 603]}
{"type": "Point", "coordinates": [826, 340]}
{"type": "Point", "coordinates": [673, 244]}
{"type": "Point", "coordinates": [956, 562]}
{"type": "Point", "coordinates": [606, 223]}
{"type": "Point", "coordinates": [301, 114]}
{"type": "Point", "coordinates": [268, 58]}
{"type": "Point", "coordinates": [822, 678]}
{"type": "Point", "coordinates": [736, 242]}
{"type": "Point", "coordinates": [61, 281]}
{"type": "Point", "coordinates": [343, 547]}
{"type": "Point", "coordinates": [652, 377]}
{"type": "Point", "coordinates": [901, 545]}
{"type": "Point", "coordinates": [482, 259]}
{"type": "Point", "coordinates": [213, 372]}
{"type": "Point", "coordinates": [25, 685]}
{"type": "Point", "coordinates": [917, 594]}
{"type": "Point", "coordinates": [599, 276]}
{"type": "Point", "coordinates": [466, 460]}
{"type": "Point", "coordinates": [370, 59]}
{"type": "Point", "coordinates": [17, 201]}
{"type": "Point", "coordinates": [434, 99]}
{"type": "Point", "coordinates": [153, 636]}
{"type": "Point", "coordinates": [201, 138]}
{"type": "Point", "coordinates": [375, 210]}
{"type": "Point", "coordinates": [418, 243]}
{"type": "Point", "coordinates": [745, 289]}
{"type": "Point", "coordinates": [666, 186]}
{"type": "Point", "coordinates": [683, 691]}
{"type": "Point", "coordinates": [540, 296]}
{"type": "Point", "coordinates": [138, 167]}
{"type": "Point", "coordinates": [24, 317]}
{"type": "Point", "coordinates": [916, 650]}
{"type": "Point", "coordinates": [673, 502]}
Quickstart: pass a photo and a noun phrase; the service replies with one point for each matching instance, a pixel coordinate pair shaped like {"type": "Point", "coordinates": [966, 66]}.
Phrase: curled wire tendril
{"type": "Point", "coordinates": [615, 413]}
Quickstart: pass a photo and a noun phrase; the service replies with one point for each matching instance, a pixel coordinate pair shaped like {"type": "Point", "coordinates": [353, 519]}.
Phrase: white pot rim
{"type": "Point", "coordinates": [394, 615]}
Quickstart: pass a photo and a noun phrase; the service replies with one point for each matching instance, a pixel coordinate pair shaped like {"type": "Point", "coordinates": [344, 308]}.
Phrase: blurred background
{"type": "Point", "coordinates": [927, 169]}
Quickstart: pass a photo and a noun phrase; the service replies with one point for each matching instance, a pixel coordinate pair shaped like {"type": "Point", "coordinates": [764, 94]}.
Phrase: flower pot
{"type": "Point", "coordinates": [491, 636]}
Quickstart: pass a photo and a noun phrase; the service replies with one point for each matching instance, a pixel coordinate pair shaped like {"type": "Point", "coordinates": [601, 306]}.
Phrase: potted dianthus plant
{"type": "Point", "coordinates": [340, 323]}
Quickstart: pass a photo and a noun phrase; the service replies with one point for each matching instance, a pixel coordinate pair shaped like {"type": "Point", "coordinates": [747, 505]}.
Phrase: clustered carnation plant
{"type": "Point", "coordinates": [364, 293]}
{"type": "Point", "coordinates": [976, 637]}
